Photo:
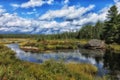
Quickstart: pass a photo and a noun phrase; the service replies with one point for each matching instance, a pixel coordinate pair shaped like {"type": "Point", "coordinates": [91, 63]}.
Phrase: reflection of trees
{"type": "Point", "coordinates": [112, 61]}
{"type": "Point", "coordinates": [89, 52]}
{"type": "Point", "coordinates": [98, 59]}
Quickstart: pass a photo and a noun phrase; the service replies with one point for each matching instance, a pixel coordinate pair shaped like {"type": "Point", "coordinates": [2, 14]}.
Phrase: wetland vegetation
{"type": "Point", "coordinates": [12, 68]}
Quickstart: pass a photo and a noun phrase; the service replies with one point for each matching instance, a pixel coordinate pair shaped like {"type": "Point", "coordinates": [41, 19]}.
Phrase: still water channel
{"type": "Point", "coordinates": [103, 61]}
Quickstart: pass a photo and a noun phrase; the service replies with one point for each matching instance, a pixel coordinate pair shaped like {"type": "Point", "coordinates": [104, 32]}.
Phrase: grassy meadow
{"type": "Point", "coordinates": [13, 69]}
{"type": "Point", "coordinates": [53, 45]}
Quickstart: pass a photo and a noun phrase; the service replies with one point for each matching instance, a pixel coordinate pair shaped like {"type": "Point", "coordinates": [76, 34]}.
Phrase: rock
{"type": "Point", "coordinates": [95, 44]}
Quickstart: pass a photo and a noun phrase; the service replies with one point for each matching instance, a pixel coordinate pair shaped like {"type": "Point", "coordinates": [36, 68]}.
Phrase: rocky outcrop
{"type": "Point", "coordinates": [95, 44]}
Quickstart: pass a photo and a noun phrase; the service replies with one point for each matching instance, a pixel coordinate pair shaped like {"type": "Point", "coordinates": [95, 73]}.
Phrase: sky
{"type": "Point", "coordinates": [51, 16]}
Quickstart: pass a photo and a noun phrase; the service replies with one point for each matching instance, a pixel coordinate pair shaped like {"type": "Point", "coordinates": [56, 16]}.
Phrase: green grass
{"type": "Point", "coordinates": [13, 69]}
{"type": "Point", "coordinates": [5, 41]}
{"type": "Point", "coordinates": [53, 45]}
{"type": "Point", "coordinates": [45, 45]}
{"type": "Point", "coordinates": [114, 47]}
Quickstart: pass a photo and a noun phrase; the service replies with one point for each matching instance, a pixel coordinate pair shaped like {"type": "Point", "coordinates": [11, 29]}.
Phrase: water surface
{"type": "Point", "coordinates": [77, 56]}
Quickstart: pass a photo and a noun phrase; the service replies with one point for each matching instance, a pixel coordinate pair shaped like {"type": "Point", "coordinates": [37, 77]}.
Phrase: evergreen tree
{"type": "Point", "coordinates": [110, 33]}
{"type": "Point", "coordinates": [118, 26]}
{"type": "Point", "coordinates": [86, 32]}
{"type": "Point", "coordinates": [98, 29]}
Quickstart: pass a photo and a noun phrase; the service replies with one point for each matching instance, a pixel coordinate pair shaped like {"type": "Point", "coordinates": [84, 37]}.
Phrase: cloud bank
{"type": "Point", "coordinates": [73, 18]}
{"type": "Point", "coordinates": [33, 3]}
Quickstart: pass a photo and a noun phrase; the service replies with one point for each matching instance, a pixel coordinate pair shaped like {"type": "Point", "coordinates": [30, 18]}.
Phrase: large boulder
{"type": "Point", "coordinates": [95, 44]}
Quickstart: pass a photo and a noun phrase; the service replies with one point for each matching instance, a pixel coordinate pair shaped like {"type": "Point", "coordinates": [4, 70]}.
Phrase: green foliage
{"type": "Point", "coordinates": [85, 32]}
{"type": "Point", "coordinates": [42, 37]}
{"type": "Point", "coordinates": [90, 31]}
{"type": "Point", "coordinates": [111, 31]}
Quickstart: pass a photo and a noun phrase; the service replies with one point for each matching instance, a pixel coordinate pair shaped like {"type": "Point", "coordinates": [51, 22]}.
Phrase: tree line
{"type": "Point", "coordinates": [108, 30]}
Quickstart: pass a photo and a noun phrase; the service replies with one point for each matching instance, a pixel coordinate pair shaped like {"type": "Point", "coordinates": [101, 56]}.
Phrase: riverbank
{"type": "Point", "coordinates": [114, 47]}
{"type": "Point", "coordinates": [11, 68]}
{"type": "Point", "coordinates": [33, 45]}
{"type": "Point", "coordinates": [52, 45]}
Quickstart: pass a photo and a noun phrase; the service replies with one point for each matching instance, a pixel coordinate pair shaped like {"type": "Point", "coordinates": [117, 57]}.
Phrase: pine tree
{"type": "Point", "coordinates": [118, 26]}
{"type": "Point", "coordinates": [110, 33]}
{"type": "Point", "coordinates": [98, 28]}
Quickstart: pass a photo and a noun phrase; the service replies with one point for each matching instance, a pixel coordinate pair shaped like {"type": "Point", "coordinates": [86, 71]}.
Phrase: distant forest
{"type": "Point", "coordinates": [108, 30]}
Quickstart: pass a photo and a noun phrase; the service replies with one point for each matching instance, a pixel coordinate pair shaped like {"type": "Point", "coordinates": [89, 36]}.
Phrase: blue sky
{"type": "Point", "coordinates": [51, 16]}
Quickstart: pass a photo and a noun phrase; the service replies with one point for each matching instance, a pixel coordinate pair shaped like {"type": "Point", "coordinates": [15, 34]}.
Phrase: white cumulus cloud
{"type": "Point", "coordinates": [74, 17]}
{"type": "Point", "coordinates": [2, 10]}
{"type": "Point", "coordinates": [33, 3]}
{"type": "Point", "coordinates": [66, 12]}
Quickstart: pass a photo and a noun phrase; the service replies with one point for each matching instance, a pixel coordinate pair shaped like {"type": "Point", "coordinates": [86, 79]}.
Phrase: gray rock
{"type": "Point", "coordinates": [95, 44]}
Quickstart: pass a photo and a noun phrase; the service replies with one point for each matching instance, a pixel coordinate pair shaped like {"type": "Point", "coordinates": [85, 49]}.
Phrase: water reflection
{"type": "Point", "coordinates": [112, 63]}
{"type": "Point", "coordinates": [78, 56]}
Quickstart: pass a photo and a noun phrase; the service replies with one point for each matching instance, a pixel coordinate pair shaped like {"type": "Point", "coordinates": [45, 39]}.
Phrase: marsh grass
{"type": "Point", "coordinates": [114, 47]}
{"type": "Point", "coordinates": [53, 45]}
{"type": "Point", "coordinates": [13, 69]}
